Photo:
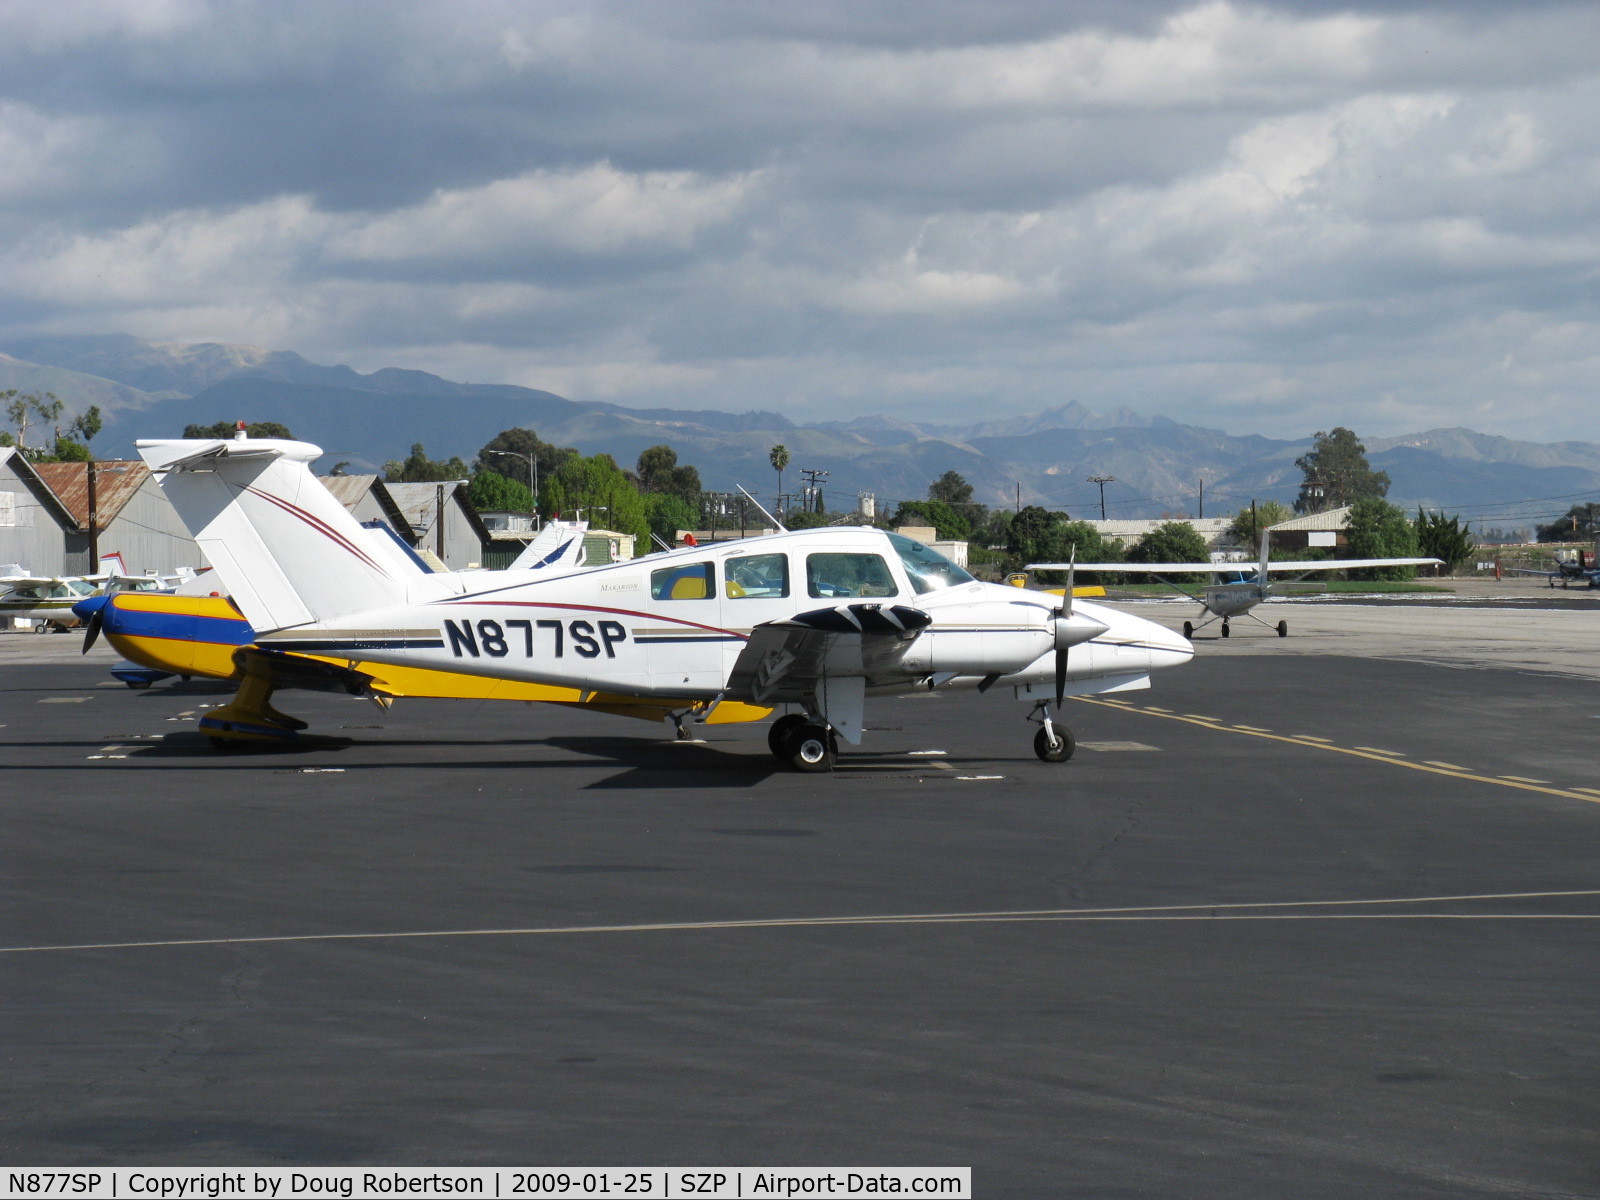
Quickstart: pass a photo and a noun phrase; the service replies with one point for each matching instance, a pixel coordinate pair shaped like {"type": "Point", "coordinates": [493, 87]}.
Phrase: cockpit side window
{"type": "Point", "coordinates": [930, 571]}
{"type": "Point", "coordinates": [693, 581]}
{"type": "Point", "coordinates": [757, 577]}
{"type": "Point", "coordinates": [848, 575]}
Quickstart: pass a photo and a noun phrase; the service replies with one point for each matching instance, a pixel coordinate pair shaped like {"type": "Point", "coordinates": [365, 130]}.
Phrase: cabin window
{"type": "Point", "coordinates": [930, 571]}
{"type": "Point", "coordinates": [846, 575]}
{"type": "Point", "coordinates": [757, 577]}
{"type": "Point", "coordinates": [694, 581]}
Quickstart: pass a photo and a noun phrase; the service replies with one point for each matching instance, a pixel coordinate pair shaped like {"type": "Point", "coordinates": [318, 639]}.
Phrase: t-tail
{"type": "Point", "coordinates": [286, 550]}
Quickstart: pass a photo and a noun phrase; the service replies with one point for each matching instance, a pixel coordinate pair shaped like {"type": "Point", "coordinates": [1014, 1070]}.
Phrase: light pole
{"type": "Point", "coordinates": [533, 476]}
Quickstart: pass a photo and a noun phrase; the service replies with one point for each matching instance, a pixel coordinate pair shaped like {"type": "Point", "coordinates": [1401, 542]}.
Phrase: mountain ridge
{"type": "Point", "coordinates": [1159, 465]}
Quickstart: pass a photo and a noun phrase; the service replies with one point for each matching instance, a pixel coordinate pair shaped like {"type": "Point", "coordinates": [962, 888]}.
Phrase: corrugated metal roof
{"type": "Point", "coordinates": [116, 480]}
{"type": "Point", "coordinates": [1334, 520]}
{"type": "Point", "coordinates": [419, 502]}
{"type": "Point", "coordinates": [348, 490]}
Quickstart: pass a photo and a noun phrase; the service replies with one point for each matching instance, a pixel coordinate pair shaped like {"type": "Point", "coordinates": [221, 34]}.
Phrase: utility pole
{"type": "Point", "coordinates": [1019, 495]}
{"type": "Point", "coordinates": [1202, 499]}
{"type": "Point", "coordinates": [438, 522]}
{"type": "Point", "coordinates": [813, 490]}
{"type": "Point", "coordinates": [94, 520]}
{"type": "Point", "coordinates": [1102, 480]}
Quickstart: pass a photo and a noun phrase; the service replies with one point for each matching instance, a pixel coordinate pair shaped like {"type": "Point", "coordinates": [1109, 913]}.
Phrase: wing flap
{"type": "Point", "coordinates": [786, 661]}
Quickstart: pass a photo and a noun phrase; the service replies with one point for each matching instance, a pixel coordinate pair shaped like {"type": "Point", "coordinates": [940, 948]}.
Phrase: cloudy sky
{"type": "Point", "coordinates": [1273, 217]}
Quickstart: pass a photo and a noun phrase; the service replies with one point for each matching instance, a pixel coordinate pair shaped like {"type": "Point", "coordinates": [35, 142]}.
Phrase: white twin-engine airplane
{"type": "Point", "coordinates": [818, 618]}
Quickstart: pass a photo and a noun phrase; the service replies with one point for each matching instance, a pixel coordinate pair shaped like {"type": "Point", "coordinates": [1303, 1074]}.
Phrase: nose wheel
{"type": "Point", "coordinates": [1053, 742]}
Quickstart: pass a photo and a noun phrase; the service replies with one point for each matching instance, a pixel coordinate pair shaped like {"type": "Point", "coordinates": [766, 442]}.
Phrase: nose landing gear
{"type": "Point", "coordinates": [1052, 743]}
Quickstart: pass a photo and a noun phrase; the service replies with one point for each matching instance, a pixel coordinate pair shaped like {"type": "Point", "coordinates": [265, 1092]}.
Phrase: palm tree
{"type": "Point", "coordinates": [779, 458]}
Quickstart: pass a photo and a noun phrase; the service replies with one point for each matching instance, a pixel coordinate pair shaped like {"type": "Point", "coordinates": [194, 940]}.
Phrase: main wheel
{"type": "Point", "coordinates": [778, 733]}
{"type": "Point", "coordinates": [1054, 751]}
{"type": "Point", "coordinates": [810, 747]}
{"type": "Point", "coordinates": [137, 684]}
{"type": "Point", "coordinates": [1283, 629]}
{"type": "Point", "coordinates": [1224, 629]}
{"type": "Point", "coordinates": [1188, 629]}
{"type": "Point", "coordinates": [226, 745]}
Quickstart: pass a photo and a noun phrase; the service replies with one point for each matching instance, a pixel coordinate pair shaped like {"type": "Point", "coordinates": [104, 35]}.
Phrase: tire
{"type": "Point", "coordinates": [778, 733]}
{"type": "Point", "coordinates": [811, 748]}
{"type": "Point", "coordinates": [1283, 629]}
{"type": "Point", "coordinates": [1058, 751]}
{"type": "Point", "coordinates": [1188, 629]}
{"type": "Point", "coordinates": [226, 745]}
{"type": "Point", "coordinates": [1224, 629]}
{"type": "Point", "coordinates": [137, 684]}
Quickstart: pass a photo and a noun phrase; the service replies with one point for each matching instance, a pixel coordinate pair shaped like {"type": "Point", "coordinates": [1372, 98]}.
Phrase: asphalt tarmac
{"type": "Point", "coordinates": [1312, 917]}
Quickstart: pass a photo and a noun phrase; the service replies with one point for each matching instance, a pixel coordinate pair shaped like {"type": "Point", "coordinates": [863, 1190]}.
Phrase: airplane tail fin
{"type": "Point", "coordinates": [556, 549]}
{"type": "Point", "coordinates": [284, 548]}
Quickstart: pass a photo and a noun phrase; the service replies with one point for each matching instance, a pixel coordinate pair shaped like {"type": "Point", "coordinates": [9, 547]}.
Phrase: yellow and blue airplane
{"type": "Point", "coordinates": [161, 635]}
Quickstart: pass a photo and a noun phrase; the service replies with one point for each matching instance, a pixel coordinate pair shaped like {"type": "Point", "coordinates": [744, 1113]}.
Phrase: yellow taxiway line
{"type": "Point", "coordinates": [1394, 758]}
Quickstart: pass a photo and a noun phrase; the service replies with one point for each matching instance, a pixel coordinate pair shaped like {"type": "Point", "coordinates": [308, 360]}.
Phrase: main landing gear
{"type": "Point", "coordinates": [1282, 627]}
{"type": "Point", "coordinates": [804, 742]}
{"type": "Point", "coordinates": [1053, 743]}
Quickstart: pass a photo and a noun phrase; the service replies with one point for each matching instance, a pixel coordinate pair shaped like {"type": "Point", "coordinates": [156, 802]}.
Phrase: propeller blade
{"type": "Point", "coordinates": [89, 610]}
{"type": "Point", "coordinates": [1061, 677]}
{"type": "Point", "coordinates": [92, 633]}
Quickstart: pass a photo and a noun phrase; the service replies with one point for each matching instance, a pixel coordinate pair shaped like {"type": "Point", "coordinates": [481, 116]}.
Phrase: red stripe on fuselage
{"type": "Point", "coordinates": [320, 526]}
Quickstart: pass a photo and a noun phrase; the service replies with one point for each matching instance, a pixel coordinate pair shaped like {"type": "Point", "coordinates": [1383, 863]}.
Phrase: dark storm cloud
{"type": "Point", "coordinates": [1267, 213]}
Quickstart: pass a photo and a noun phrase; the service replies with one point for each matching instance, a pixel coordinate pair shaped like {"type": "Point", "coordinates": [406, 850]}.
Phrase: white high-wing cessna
{"type": "Point", "coordinates": [1236, 596]}
{"type": "Point", "coordinates": [818, 618]}
{"type": "Point", "coordinates": [48, 599]}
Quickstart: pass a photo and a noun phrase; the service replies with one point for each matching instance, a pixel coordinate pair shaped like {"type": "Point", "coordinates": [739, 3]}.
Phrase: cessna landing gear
{"type": "Point", "coordinates": [1283, 629]}
{"type": "Point", "coordinates": [1188, 629]}
{"type": "Point", "coordinates": [1224, 626]}
{"type": "Point", "coordinates": [1053, 743]}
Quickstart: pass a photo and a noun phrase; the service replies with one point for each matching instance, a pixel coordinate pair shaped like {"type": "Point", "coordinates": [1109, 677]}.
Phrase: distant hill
{"type": "Point", "coordinates": [154, 389]}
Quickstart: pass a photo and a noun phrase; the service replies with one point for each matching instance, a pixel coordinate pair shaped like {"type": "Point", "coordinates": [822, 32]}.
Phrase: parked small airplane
{"type": "Point", "coordinates": [50, 600]}
{"type": "Point", "coordinates": [1235, 592]}
{"type": "Point", "coordinates": [817, 618]}
{"type": "Point", "coordinates": [198, 632]}
{"type": "Point", "coordinates": [1567, 573]}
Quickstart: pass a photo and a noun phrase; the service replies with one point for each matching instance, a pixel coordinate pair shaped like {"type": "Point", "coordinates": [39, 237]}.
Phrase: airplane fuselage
{"type": "Point", "coordinates": [675, 623]}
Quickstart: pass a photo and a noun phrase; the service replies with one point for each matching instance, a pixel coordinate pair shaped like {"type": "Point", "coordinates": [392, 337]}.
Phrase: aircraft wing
{"type": "Point", "coordinates": [786, 661]}
{"type": "Point", "coordinates": [1140, 568]}
{"type": "Point", "coordinates": [1353, 564]}
{"type": "Point", "coordinates": [1327, 564]}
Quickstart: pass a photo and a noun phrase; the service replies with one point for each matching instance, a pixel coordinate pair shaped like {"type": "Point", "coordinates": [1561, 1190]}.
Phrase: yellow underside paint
{"type": "Point", "coordinates": [215, 661]}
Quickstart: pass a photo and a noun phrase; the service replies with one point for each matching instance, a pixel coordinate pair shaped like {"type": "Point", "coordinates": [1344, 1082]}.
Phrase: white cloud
{"type": "Point", "coordinates": [597, 210]}
{"type": "Point", "coordinates": [1224, 211]}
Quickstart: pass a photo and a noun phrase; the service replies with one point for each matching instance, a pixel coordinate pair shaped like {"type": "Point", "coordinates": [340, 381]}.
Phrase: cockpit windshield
{"type": "Point", "coordinates": [930, 571]}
